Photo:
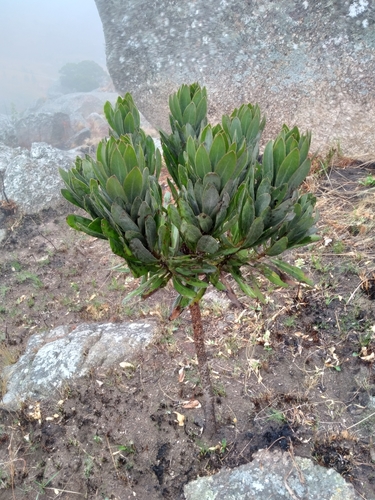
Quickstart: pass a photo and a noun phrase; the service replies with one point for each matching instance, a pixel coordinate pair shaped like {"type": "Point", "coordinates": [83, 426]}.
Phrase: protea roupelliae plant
{"type": "Point", "coordinates": [229, 209]}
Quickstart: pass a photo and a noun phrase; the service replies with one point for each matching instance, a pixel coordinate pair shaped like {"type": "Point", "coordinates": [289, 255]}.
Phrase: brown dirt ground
{"type": "Point", "coordinates": [297, 373]}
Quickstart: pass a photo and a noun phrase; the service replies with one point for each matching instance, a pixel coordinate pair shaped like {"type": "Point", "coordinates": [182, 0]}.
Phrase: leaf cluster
{"type": "Point", "coordinates": [230, 207]}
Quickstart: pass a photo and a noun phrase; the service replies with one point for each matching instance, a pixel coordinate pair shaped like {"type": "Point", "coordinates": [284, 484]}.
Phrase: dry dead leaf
{"type": "Point", "coordinates": [367, 357]}
{"type": "Point", "coordinates": [327, 241]}
{"type": "Point", "coordinates": [180, 418]}
{"type": "Point", "coordinates": [181, 374]}
{"type": "Point", "coordinates": [194, 403]}
{"type": "Point", "coordinates": [35, 414]}
{"type": "Point", "coordinates": [125, 364]}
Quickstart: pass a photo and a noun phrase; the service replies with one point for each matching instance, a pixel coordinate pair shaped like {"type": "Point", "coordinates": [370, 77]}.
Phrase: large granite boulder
{"type": "Point", "coordinates": [272, 475]}
{"type": "Point", "coordinates": [52, 128]}
{"type": "Point", "coordinates": [55, 356]}
{"type": "Point", "coordinates": [31, 178]}
{"type": "Point", "coordinates": [306, 63]}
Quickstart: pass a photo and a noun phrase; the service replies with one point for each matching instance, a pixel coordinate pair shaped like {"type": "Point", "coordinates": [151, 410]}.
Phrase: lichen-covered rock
{"type": "Point", "coordinates": [31, 178]}
{"type": "Point", "coordinates": [272, 475]}
{"type": "Point", "coordinates": [60, 354]}
{"type": "Point", "coordinates": [306, 63]}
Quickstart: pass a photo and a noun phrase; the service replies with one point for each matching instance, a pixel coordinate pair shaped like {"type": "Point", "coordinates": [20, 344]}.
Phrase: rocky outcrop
{"type": "Point", "coordinates": [306, 63]}
{"type": "Point", "coordinates": [31, 178]}
{"type": "Point", "coordinates": [62, 122]}
{"type": "Point", "coordinates": [52, 128]}
{"type": "Point", "coordinates": [7, 132]}
{"type": "Point", "coordinates": [53, 357]}
{"type": "Point", "coordinates": [272, 474]}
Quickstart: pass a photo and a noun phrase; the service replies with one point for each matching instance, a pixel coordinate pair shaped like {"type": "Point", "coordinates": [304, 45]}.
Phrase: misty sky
{"type": "Point", "coordinates": [37, 38]}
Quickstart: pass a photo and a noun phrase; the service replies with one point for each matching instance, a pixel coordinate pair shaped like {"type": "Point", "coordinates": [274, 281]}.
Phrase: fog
{"type": "Point", "coordinates": [36, 39]}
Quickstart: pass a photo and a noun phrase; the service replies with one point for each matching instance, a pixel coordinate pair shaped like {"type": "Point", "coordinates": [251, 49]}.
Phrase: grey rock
{"type": "Point", "coordinates": [272, 476]}
{"type": "Point", "coordinates": [7, 132]}
{"type": "Point", "coordinates": [81, 103]}
{"type": "Point", "coordinates": [3, 233]}
{"type": "Point", "coordinates": [306, 63]}
{"type": "Point", "coordinates": [6, 156]}
{"type": "Point", "coordinates": [78, 139]}
{"type": "Point", "coordinates": [98, 125]}
{"type": "Point", "coordinates": [52, 128]}
{"type": "Point", "coordinates": [32, 179]}
{"type": "Point", "coordinates": [60, 354]}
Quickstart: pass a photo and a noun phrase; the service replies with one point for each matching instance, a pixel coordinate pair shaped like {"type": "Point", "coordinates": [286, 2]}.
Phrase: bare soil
{"type": "Point", "coordinates": [297, 373]}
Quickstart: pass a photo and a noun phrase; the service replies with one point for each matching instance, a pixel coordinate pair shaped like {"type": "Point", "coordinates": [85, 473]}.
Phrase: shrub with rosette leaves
{"type": "Point", "coordinates": [229, 209]}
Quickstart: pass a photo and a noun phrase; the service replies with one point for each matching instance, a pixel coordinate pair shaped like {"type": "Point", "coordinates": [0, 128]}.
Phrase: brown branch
{"type": "Point", "coordinates": [204, 371]}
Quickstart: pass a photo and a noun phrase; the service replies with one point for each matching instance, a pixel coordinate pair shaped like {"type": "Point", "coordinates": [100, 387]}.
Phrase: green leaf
{"type": "Point", "coordinates": [207, 244]}
{"type": "Point", "coordinates": [293, 271]}
{"type": "Point", "coordinates": [79, 187]}
{"type": "Point", "coordinates": [114, 189]}
{"type": "Point", "coordinates": [246, 217]}
{"type": "Point", "coordinates": [174, 106]}
{"type": "Point", "coordinates": [150, 230]}
{"type": "Point", "coordinates": [272, 276]}
{"type": "Point", "coordinates": [134, 212]}
{"type": "Point", "coordinates": [217, 283]}
{"type": "Point", "coordinates": [141, 252]}
{"type": "Point", "coordinates": [118, 165]}
{"type": "Point", "coordinates": [83, 224]}
{"type": "Point", "coordinates": [278, 153]}
{"type": "Point", "coordinates": [211, 178]}
{"type": "Point", "coordinates": [122, 218]}
{"type": "Point", "coordinates": [174, 215]}
{"type": "Point", "coordinates": [223, 211]}
{"type": "Point", "coordinates": [201, 111]}
{"type": "Point", "coordinates": [151, 285]}
{"type": "Point", "coordinates": [202, 162]}
{"type": "Point", "coordinates": [279, 247]}
{"type": "Point", "coordinates": [129, 124]}
{"type": "Point", "coordinates": [186, 213]}
{"type": "Point", "coordinates": [184, 97]}
{"type": "Point", "coordinates": [190, 114]}
{"type": "Point", "coordinates": [264, 187]}
{"type": "Point", "coordinates": [255, 232]}
{"type": "Point", "coordinates": [210, 200]}
{"type": "Point", "coordinates": [205, 222]}
{"type": "Point", "coordinates": [130, 158]}
{"type": "Point", "coordinates": [299, 175]}
{"type": "Point", "coordinates": [191, 233]}
{"type": "Point", "coordinates": [118, 122]}
{"type": "Point", "coordinates": [164, 240]}
{"type": "Point", "coordinates": [252, 292]}
{"type": "Point", "coordinates": [226, 166]}
{"type": "Point", "coordinates": [217, 150]}
{"type": "Point", "coordinates": [183, 290]}
{"type": "Point", "coordinates": [68, 195]}
{"type": "Point", "coordinates": [133, 185]}
{"type": "Point", "coordinates": [195, 282]}
{"type": "Point", "coordinates": [262, 202]}
{"type": "Point", "coordinates": [287, 168]}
